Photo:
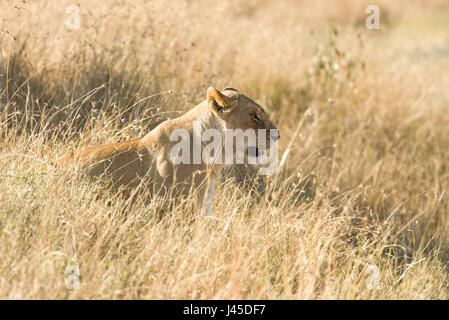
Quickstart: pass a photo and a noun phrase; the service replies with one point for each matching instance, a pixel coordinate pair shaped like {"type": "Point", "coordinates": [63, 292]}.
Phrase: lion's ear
{"type": "Point", "coordinates": [219, 103]}
{"type": "Point", "coordinates": [231, 89]}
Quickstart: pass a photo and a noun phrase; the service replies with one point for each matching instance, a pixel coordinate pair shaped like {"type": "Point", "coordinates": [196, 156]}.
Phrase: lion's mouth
{"type": "Point", "coordinates": [254, 152]}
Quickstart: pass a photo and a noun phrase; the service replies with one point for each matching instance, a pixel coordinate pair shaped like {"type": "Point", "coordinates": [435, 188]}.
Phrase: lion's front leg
{"type": "Point", "coordinates": [204, 197]}
{"type": "Point", "coordinates": [210, 197]}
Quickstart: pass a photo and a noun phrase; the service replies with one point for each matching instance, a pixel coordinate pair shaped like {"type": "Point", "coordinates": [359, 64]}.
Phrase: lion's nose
{"type": "Point", "coordinates": [275, 134]}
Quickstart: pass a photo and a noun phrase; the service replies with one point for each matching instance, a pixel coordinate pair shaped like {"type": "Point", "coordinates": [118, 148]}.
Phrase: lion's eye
{"type": "Point", "coordinates": [255, 117]}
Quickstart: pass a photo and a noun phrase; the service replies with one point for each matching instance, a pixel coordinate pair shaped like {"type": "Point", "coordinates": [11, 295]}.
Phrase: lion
{"type": "Point", "coordinates": [152, 157]}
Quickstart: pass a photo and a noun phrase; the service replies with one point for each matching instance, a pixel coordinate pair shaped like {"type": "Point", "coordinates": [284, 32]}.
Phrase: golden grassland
{"type": "Point", "coordinates": [358, 211]}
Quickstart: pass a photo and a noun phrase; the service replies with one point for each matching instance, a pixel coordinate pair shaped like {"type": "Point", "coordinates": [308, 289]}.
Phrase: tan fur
{"type": "Point", "coordinates": [125, 164]}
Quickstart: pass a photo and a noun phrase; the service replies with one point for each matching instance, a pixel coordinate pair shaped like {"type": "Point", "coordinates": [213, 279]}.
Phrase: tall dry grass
{"type": "Point", "coordinates": [358, 211]}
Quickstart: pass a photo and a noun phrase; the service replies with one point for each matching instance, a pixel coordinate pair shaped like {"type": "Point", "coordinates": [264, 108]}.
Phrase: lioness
{"type": "Point", "coordinates": [151, 157]}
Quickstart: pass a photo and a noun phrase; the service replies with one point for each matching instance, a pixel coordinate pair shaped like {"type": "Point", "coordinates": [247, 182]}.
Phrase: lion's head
{"type": "Point", "coordinates": [242, 116]}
